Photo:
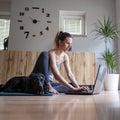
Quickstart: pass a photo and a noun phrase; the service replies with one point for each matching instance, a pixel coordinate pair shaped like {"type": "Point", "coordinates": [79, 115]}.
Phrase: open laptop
{"type": "Point", "coordinates": [98, 85]}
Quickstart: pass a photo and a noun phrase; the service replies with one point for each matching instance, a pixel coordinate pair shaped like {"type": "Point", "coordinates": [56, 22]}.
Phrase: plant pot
{"type": "Point", "coordinates": [111, 82]}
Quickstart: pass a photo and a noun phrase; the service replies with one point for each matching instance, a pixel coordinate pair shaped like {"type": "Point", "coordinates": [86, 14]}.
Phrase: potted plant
{"type": "Point", "coordinates": [111, 59]}
{"type": "Point", "coordinates": [107, 31]}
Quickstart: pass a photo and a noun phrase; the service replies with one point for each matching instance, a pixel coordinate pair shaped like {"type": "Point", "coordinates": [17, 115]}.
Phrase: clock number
{"type": "Point", "coordinates": [21, 27]}
{"type": "Point", "coordinates": [19, 20]}
{"type": "Point", "coordinates": [41, 33]}
{"type": "Point", "coordinates": [35, 8]}
{"type": "Point", "coordinates": [43, 10]}
{"type": "Point", "coordinates": [49, 21]}
{"type": "Point", "coordinates": [33, 35]}
{"type": "Point", "coordinates": [47, 14]}
{"type": "Point", "coordinates": [47, 28]}
{"type": "Point", "coordinates": [26, 8]}
{"type": "Point", "coordinates": [21, 13]}
{"type": "Point", "coordinates": [27, 33]}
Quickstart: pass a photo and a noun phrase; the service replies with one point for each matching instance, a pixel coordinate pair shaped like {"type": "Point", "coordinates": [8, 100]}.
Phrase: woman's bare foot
{"type": "Point", "coordinates": [51, 89]}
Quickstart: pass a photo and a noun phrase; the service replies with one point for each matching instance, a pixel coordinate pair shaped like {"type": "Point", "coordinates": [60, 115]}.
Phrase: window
{"type": "Point", "coordinates": [4, 27]}
{"type": "Point", "coordinates": [73, 22]}
{"type": "Point", "coordinates": [4, 30]}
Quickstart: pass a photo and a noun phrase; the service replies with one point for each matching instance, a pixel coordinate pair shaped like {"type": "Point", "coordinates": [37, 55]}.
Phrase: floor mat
{"type": "Point", "coordinates": [24, 94]}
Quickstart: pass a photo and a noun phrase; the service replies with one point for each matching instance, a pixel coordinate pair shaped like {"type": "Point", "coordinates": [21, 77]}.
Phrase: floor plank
{"type": "Point", "coordinates": [103, 106]}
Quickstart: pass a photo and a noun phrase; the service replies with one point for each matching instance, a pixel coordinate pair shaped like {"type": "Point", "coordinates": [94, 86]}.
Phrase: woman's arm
{"type": "Point", "coordinates": [69, 72]}
{"type": "Point", "coordinates": [56, 72]}
{"type": "Point", "coordinates": [60, 78]}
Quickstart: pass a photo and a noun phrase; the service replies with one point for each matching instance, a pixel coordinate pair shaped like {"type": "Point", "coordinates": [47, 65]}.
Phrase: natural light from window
{"type": "Point", "coordinates": [73, 22]}
{"type": "Point", "coordinates": [72, 26]}
{"type": "Point", "coordinates": [4, 31]}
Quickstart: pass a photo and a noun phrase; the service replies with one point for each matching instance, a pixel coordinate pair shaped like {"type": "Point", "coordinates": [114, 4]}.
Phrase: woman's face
{"type": "Point", "coordinates": [65, 44]}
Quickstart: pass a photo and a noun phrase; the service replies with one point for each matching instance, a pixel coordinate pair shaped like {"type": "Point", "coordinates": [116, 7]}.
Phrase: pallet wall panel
{"type": "Point", "coordinates": [21, 63]}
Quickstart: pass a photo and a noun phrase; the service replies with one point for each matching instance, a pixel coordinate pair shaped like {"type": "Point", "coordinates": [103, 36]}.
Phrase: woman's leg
{"type": "Point", "coordinates": [60, 88]}
{"type": "Point", "coordinates": [42, 65]}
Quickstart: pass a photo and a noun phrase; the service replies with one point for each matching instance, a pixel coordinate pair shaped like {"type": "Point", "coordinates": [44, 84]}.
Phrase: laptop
{"type": "Point", "coordinates": [98, 85]}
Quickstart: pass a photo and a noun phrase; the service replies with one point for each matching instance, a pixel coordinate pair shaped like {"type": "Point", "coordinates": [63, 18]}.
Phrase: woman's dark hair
{"type": "Point", "coordinates": [61, 36]}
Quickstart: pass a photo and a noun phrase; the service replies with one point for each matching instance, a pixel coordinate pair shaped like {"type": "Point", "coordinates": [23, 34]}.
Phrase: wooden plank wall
{"type": "Point", "coordinates": [83, 67]}
{"type": "Point", "coordinates": [20, 63]}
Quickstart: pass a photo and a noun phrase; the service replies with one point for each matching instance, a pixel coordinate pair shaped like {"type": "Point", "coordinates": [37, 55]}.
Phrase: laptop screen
{"type": "Point", "coordinates": [101, 74]}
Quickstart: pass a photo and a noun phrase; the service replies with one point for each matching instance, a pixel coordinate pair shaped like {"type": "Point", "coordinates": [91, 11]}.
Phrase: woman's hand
{"type": "Point", "coordinates": [82, 88]}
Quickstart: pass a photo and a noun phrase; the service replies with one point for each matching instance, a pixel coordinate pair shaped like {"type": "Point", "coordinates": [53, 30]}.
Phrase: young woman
{"type": "Point", "coordinates": [49, 63]}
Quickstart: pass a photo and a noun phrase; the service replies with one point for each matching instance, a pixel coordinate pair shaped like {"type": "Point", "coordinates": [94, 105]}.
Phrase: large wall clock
{"type": "Point", "coordinates": [34, 17]}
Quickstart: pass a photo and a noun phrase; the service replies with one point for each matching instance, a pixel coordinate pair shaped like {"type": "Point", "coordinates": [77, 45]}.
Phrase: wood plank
{"type": "Point", "coordinates": [31, 57]}
{"type": "Point", "coordinates": [104, 106]}
{"type": "Point", "coordinates": [4, 55]}
{"type": "Point", "coordinates": [16, 64]}
{"type": "Point", "coordinates": [83, 67]}
{"type": "Point", "coordinates": [20, 63]}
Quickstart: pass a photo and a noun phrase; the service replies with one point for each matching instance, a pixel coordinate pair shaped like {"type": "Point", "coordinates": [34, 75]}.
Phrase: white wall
{"type": "Point", "coordinates": [95, 9]}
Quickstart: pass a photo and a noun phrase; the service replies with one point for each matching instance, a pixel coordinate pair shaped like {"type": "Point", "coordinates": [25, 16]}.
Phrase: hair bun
{"type": "Point", "coordinates": [60, 33]}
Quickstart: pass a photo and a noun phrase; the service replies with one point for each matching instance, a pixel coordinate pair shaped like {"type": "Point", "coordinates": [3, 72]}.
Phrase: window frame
{"type": "Point", "coordinates": [73, 15]}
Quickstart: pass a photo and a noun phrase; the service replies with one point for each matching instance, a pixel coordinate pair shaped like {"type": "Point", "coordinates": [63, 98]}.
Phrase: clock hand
{"type": "Point", "coordinates": [34, 20]}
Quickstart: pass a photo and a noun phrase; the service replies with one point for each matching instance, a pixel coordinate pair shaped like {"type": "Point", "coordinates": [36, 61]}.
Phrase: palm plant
{"type": "Point", "coordinates": [111, 59]}
{"type": "Point", "coordinates": [107, 31]}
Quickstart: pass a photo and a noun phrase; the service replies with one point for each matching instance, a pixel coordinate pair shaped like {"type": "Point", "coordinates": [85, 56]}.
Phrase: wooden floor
{"type": "Point", "coordinates": [105, 106]}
